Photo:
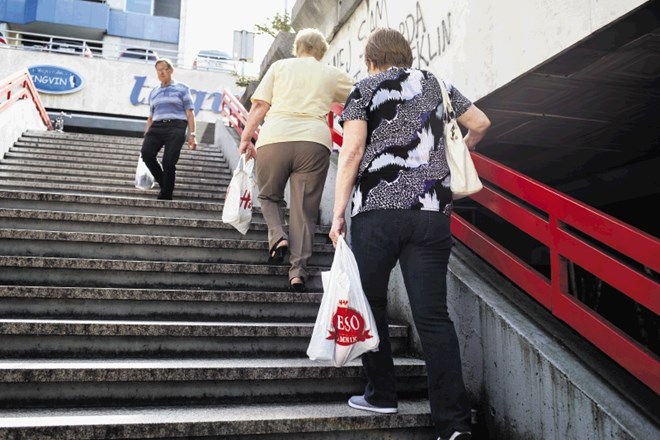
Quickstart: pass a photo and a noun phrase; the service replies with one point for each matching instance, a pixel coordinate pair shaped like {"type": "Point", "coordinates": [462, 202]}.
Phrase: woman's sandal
{"type": "Point", "coordinates": [277, 252]}
{"type": "Point", "coordinates": [298, 287]}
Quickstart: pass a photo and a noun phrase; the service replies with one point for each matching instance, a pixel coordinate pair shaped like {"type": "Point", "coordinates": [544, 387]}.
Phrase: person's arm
{"type": "Point", "coordinates": [256, 116]}
{"type": "Point", "coordinates": [148, 125]}
{"type": "Point", "coordinates": [350, 155]}
{"type": "Point", "coordinates": [477, 123]}
{"type": "Point", "coordinates": [192, 126]}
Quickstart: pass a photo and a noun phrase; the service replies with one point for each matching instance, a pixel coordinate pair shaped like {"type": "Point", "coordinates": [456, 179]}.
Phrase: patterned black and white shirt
{"type": "Point", "coordinates": [404, 164]}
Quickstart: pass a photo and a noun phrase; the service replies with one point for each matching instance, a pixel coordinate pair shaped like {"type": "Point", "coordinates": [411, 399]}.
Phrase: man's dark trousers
{"type": "Point", "coordinates": [171, 134]}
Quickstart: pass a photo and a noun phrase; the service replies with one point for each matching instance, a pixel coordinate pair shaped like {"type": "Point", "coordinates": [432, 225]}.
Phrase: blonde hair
{"type": "Point", "coordinates": [310, 42]}
{"type": "Point", "coordinates": [387, 48]}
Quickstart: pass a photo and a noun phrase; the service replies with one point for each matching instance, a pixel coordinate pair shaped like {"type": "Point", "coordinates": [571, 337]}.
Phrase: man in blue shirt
{"type": "Point", "coordinates": [170, 112]}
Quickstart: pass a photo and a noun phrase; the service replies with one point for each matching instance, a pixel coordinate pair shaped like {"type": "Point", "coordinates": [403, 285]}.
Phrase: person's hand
{"type": "Point", "coordinates": [192, 142]}
{"type": "Point", "coordinates": [338, 228]}
{"type": "Point", "coordinates": [247, 148]}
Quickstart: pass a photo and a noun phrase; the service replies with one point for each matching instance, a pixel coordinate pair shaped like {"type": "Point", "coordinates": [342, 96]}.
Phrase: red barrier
{"type": "Point", "coordinates": [236, 115]}
{"type": "Point", "coordinates": [20, 86]}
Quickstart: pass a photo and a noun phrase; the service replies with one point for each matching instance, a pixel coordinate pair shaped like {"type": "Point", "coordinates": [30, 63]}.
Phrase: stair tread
{"type": "Point", "coordinates": [108, 293]}
{"type": "Point", "coordinates": [137, 363]}
{"type": "Point", "coordinates": [142, 239]}
{"type": "Point", "coordinates": [246, 415]}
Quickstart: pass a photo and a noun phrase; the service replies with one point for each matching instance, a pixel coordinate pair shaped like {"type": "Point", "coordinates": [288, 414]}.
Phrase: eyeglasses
{"type": "Point", "coordinates": [163, 70]}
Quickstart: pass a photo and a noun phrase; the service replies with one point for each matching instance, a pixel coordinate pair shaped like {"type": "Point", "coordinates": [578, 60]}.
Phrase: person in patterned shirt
{"type": "Point", "coordinates": [393, 168]}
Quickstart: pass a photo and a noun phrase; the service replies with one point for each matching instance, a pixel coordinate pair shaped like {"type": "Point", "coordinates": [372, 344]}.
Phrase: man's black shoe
{"type": "Point", "coordinates": [162, 196]}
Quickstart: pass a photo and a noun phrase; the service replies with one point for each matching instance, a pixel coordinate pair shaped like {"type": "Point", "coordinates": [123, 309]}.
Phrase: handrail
{"type": "Point", "coordinates": [235, 113]}
{"type": "Point", "coordinates": [32, 41]}
{"type": "Point", "coordinates": [575, 235]}
{"type": "Point", "coordinates": [20, 86]}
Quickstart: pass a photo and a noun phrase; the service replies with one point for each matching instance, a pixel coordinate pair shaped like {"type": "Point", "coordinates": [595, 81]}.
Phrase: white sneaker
{"type": "Point", "coordinates": [359, 402]}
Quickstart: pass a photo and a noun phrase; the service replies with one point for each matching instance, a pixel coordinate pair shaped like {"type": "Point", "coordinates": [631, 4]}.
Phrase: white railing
{"type": "Point", "coordinates": [106, 49]}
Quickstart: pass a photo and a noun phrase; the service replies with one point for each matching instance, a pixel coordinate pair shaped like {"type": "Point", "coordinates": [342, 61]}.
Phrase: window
{"type": "Point", "coordinates": [139, 6]}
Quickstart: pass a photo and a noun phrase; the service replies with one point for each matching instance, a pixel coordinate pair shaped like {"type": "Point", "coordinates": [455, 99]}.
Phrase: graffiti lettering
{"type": "Point", "coordinates": [425, 46]}
{"type": "Point", "coordinates": [429, 36]}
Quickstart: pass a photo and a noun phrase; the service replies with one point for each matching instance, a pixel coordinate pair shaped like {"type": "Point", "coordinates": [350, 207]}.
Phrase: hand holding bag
{"type": "Point", "coordinates": [345, 327]}
{"type": "Point", "coordinates": [464, 178]}
{"type": "Point", "coordinates": [143, 177]}
{"type": "Point", "coordinates": [237, 210]}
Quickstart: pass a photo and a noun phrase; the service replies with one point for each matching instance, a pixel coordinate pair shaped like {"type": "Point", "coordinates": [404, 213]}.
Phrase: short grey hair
{"type": "Point", "coordinates": [310, 41]}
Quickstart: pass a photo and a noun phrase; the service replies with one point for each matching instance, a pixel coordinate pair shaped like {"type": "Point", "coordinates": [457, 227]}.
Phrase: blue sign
{"type": "Point", "coordinates": [55, 79]}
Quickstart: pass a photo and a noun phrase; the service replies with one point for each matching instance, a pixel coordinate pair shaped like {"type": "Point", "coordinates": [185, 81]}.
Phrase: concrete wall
{"type": "Point", "coordinates": [533, 377]}
{"type": "Point", "coordinates": [479, 45]}
{"type": "Point", "coordinates": [116, 87]}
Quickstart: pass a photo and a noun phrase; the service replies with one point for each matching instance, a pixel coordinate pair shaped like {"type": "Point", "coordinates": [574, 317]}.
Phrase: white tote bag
{"type": "Point", "coordinates": [237, 210]}
{"type": "Point", "coordinates": [143, 177]}
{"type": "Point", "coordinates": [345, 327]}
{"type": "Point", "coordinates": [464, 178]}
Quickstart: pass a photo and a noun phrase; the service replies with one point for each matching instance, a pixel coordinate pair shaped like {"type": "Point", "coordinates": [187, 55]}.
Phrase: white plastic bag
{"type": "Point", "coordinates": [237, 210]}
{"type": "Point", "coordinates": [143, 177]}
{"type": "Point", "coordinates": [345, 327]}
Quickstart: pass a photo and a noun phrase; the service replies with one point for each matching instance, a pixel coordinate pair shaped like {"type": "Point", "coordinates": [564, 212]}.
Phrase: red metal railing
{"type": "Point", "coordinates": [235, 113]}
{"type": "Point", "coordinates": [20, 86]}
{"type": "Point", "coordinates": [574, 233]}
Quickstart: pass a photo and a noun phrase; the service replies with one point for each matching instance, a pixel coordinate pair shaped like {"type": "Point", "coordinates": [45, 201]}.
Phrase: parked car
{"type": "Point", "coordinates": [215, 60]}
{"type": "Point", "coordinates": [139, 55]}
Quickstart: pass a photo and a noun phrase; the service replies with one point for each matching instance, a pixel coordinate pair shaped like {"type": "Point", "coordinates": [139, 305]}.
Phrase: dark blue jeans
{"type": "Point", "coordinates": [171, 135]}
{"type": "Point", "coordinates": [421, 242]}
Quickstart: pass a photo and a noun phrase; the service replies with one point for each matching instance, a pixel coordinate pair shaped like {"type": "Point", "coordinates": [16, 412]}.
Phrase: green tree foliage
{"type": "Point", "coordinates": [242, 80]}
{"type": "Point", "coordinates": [279, 23]}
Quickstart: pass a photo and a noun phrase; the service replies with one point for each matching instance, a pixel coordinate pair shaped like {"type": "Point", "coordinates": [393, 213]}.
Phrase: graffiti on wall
{"type": "Point", "coordinates": [427, 42]}
{"type": "Point", "coordinates": [429, 37]}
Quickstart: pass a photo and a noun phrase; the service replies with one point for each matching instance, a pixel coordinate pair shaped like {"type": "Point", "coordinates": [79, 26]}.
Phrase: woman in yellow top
{"type": "Point", "coordinates": [294, 144]}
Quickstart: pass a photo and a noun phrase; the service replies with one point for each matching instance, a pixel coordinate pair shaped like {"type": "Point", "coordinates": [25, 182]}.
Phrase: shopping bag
{"type": "Point", "coordinates": [143, 177]}
{"type": "Point", "coordinates": [464, 178]}
{"type": "Point", "coordinates": [345, 327]}
{"type": "Point", "coordinates": [237, 210]}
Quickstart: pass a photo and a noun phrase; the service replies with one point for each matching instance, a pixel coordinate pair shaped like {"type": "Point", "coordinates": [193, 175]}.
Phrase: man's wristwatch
{"type": "Point", "coordinates": [192, 135]}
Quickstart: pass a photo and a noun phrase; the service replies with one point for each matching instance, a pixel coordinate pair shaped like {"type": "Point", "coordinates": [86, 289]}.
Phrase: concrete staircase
{"type": "Point", "coordinates": [125, 317]}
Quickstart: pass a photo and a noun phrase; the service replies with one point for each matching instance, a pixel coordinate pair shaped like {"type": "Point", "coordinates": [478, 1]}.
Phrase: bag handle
{"type": "Point", "coordinates": [446, 102]}
{"type": "Point", "coordinates": [245, 165]}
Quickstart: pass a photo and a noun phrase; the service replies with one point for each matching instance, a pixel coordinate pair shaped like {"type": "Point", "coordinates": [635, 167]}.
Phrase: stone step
{"type": "Point", "coordinates": [63, 272]}
{"type": "Point", "coordinates": [67, 221]}
{"type": "Point", "coordinates": [215, 195]}
{"type": "Point", "coordinates": [29, 302]}
{"type": "Point", "coordinates": [108, 339]}
{"type": "Point", "coordinates": [104, 138]}
{"type": "Point", "coordinates": [113, 142]}
{"type": "Point", "coordinates": [67, 153]}
{"type": "Point", "coordinates": [203, 149]}
{"type": "Point", "coordinates": [310, 421]}
{"type": "Point", "coordinates": [149, 382]}
{"type": "Point", "coordinates": [126, 175]}
{"type": "Point", "coordinates": [106, 204]}
{"type": "Point", "coordinates": [125, 167]}
{"type": "Point", "coordinates": [22, 242]}
{"type": "Point", "coordinates": [111, 183]}
{"type": "Point", "coordinates": [187, 161]}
